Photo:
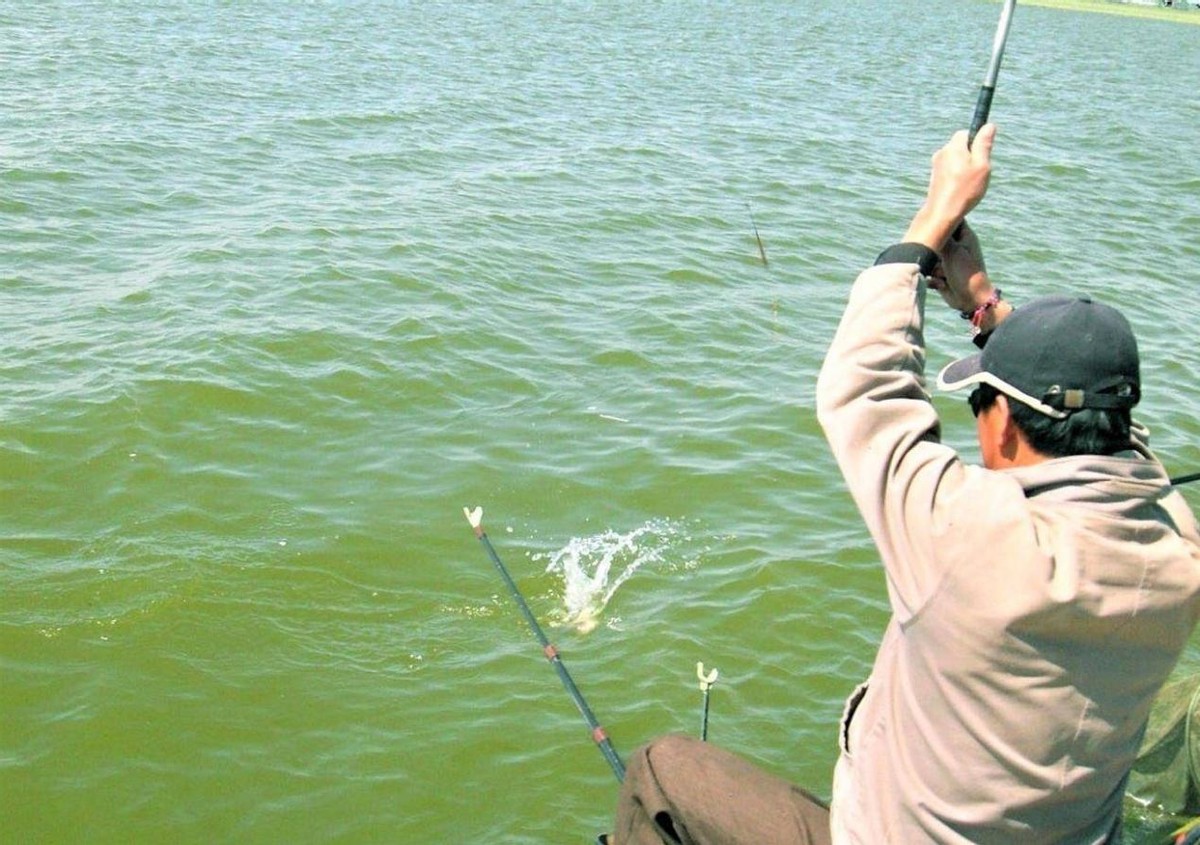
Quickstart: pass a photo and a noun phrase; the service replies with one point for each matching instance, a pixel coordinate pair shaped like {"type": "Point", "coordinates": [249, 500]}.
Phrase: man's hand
{"type": "Point", "coordinates": [962, 280]}
{"type": "Point", "coordinates": [962, 277]}
{"type": "Point", "coordinates": [957, 182]}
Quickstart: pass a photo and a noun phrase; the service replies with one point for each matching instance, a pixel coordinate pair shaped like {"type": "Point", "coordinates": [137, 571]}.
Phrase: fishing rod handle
{"type": "Point", "coordinates": [983, 107]}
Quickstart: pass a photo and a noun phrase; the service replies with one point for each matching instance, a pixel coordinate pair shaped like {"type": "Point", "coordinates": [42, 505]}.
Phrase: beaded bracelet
{"type": "Point", "coordinates": [976, 316]}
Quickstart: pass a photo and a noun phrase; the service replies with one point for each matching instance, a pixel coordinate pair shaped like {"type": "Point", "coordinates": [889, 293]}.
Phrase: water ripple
{"type": "Point", "coordinates": [283, 292]}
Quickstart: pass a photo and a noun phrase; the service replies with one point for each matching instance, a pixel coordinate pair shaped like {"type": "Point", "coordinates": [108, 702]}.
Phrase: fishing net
{"type": "Point", "coordinates": [1166, 774]}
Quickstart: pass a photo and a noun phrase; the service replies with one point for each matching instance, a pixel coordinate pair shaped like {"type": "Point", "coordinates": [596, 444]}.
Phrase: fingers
{"type": "Point", "coordinates": [985, 139]}
{"type": "Point", "coordinates": [958, 180]}
{"type": "Point", "coordinates": [956, 146]}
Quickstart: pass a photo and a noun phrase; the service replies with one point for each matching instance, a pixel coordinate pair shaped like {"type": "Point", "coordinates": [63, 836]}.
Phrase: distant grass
{"type": "Point", "coordinates": [1110, 7]}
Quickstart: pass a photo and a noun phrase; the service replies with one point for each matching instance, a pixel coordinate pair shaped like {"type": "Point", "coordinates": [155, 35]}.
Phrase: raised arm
{"type": "Point", "coordinates": [958, 180]}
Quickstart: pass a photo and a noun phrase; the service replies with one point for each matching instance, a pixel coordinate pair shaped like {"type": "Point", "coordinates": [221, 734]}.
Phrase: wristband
{"type": "Point", "coordinates": [976, 316]}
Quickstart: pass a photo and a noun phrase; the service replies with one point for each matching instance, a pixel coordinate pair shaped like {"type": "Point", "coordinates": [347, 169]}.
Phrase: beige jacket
{"type": "Point", "coordinates": [1035, 612]}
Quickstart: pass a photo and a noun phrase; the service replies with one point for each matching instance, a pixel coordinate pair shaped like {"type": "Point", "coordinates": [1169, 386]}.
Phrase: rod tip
{"type": "Point", "coordinates": [475, 518]}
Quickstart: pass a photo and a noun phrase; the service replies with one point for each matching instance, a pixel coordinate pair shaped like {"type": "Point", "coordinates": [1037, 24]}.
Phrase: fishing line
{"type": "Point", "coordinates": [762, 252]}
{"type": "Point", "coordinates": [599, 736]}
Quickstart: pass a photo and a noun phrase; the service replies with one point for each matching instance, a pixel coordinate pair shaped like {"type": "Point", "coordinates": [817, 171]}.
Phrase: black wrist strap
{"type": "Point", "coordinates": [910, 253]}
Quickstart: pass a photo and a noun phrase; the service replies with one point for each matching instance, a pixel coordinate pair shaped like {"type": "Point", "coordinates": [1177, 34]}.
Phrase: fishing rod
{"type": "Point", "coordinates": [599, 736]}
{"type": "Point", "coordinates": [983, 105]}
{"type": "Point", "coordinates": [1185, 479]}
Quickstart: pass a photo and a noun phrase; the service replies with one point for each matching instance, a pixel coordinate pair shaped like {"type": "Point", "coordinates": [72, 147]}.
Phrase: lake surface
{"type": "Point", "coordinates": [286, 288]}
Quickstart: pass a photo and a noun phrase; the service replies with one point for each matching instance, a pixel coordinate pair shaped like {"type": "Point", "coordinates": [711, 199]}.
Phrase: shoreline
{"type": "Point", "coordinates": [1110, 7]}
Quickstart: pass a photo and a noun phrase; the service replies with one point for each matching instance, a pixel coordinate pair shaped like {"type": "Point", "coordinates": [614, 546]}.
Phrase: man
{"type": "Point", "coordinates": [1038, 602]}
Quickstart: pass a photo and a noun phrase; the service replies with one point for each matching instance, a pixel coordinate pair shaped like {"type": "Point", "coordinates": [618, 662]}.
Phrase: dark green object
{"type": "Point", "coordinates": [1166, 773]}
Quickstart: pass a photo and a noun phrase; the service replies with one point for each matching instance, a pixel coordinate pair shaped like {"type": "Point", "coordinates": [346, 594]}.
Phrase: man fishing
{"type": "Point", "coordinates": [1038, 602]}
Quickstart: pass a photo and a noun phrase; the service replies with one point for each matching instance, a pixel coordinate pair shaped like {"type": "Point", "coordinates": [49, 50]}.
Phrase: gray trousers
{"type": "Point", "coordinates": [681, 790]}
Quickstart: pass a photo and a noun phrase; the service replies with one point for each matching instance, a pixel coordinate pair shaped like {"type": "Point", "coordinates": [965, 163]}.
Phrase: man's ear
{"type": "Point", "coordinates": [1010, 435]}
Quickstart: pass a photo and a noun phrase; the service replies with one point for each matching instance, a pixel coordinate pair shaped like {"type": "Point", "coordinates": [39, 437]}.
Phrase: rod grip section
{"type": "Point", "coordinates": [983, 107]}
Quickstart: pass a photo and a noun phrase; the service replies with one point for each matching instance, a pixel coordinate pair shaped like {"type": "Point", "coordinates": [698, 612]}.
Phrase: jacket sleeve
{"type": "Point", "coordinates": [884, 432]}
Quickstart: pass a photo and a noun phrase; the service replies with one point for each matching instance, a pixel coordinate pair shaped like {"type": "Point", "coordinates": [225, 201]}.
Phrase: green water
{"type": "Point", "coordinates": [285, 288]}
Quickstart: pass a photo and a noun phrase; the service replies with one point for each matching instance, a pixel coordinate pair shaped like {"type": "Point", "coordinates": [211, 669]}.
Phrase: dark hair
{"type": "Point", "coordinates": [1089, 431]}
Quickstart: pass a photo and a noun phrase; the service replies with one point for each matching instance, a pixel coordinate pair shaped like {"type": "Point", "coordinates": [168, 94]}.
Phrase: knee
{"type": "Point", "coordinates": [667, 756]}
{"type": "Point", "coordinates": [676, 742]}
{"type": "Point", "coordinates": [668, 747]}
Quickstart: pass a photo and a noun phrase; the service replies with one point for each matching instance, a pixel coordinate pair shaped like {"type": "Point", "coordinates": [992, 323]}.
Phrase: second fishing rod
{"type": "Point", "coordinates": [599, 735]}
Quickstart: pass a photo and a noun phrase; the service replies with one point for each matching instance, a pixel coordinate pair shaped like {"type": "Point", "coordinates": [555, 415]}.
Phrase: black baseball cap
{"type": "Point", "coordinates": [1056, 354]}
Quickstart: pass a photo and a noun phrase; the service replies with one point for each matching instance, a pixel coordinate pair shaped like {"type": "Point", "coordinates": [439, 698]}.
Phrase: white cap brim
{"type": "Point", "coordinates": [962, 373]}
{"type": "Point", "coordinates": [969, 371]}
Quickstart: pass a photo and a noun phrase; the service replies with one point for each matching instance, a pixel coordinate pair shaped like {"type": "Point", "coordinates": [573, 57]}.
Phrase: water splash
{"type": "Point", "coordinates": [593, 568]}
